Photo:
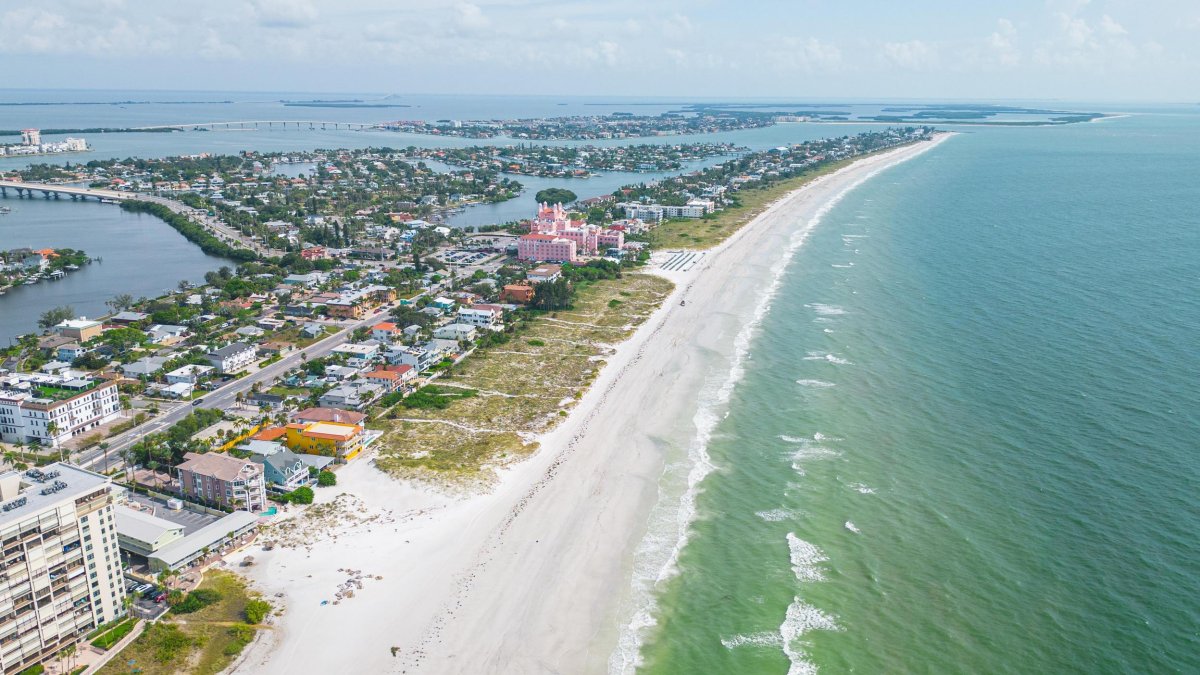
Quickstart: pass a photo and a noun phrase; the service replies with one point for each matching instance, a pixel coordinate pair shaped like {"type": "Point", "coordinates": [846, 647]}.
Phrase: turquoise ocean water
{"type": "Point", "coordinates": [967, 436]}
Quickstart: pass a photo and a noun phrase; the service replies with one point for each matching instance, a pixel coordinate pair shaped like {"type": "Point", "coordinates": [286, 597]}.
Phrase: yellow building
{"type": "Point", "coordinates": [331, 439]}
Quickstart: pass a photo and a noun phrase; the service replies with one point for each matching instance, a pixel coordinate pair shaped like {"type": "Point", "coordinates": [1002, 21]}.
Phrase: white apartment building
{"type": "Point", "coordinates": [233, 358]}
{"type": "Point", "coordinates": [48, 409]}
{"type": "Point", "coordinates": [61, 568]}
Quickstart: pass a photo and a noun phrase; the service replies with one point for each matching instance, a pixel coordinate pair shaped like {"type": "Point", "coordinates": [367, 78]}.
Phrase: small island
{"type": "Point", "coordinates": [20, 266]}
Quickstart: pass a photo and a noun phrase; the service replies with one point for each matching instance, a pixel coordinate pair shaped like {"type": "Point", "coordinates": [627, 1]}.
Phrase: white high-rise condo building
{"type": "Point", "coordinates": [60, 568]}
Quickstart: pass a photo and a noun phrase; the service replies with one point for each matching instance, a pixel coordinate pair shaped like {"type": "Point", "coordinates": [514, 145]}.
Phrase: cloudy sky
{"type": "Point", "coordinates": [1099, 50]}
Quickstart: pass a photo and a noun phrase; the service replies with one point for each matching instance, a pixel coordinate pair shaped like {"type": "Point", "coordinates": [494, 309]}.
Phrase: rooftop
{"type": "Point", "coordinates": [36, 489]}
{"type": "Point", "coordinates": [142, 526]}
{"type": "Point", "coordinates": [215, 464]}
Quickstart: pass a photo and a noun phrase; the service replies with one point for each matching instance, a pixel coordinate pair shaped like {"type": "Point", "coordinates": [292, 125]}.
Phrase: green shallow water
{"type": "Point", "coordinates": [966, 438]}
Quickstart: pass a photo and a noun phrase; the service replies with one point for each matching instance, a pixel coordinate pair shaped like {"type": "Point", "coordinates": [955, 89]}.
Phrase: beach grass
{"type": "Point", "coordinates": [707, 232]}
{"type": "Point", "coordinates": [202, 643]}
{"type": "Point", "coordinates": [522, 387]}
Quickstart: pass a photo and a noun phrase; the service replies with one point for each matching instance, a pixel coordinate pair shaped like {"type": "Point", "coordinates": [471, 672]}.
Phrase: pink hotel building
{"type": "Point", "coordinates": [554, 237]}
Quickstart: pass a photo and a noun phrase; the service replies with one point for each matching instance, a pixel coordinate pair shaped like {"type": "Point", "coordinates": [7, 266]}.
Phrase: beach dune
{"type": "Point", "coordinates": [545, 573]}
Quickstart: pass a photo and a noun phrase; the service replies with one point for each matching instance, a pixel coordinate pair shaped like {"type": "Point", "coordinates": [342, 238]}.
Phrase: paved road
{"type": "Point", "coordinates": [223, 398]}
{"type": "Point", "coordinates": [218, 227]}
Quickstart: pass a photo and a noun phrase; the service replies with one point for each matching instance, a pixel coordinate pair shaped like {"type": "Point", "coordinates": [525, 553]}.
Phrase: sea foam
{"type": "Point", "coordinates": [814, 384]}
{"type": "Point", "coordinates": [626, 657]}
{"type": "Point", "coordinates": [825, 310]}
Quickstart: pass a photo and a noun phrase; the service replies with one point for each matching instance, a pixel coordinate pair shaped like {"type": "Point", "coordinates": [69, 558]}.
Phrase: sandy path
{"type": "Point", "coordinates": [534, 577]}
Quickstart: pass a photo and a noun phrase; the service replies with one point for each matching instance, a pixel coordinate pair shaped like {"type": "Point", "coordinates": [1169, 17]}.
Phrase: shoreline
{"type": "Point", "coordinates": [535, 575]}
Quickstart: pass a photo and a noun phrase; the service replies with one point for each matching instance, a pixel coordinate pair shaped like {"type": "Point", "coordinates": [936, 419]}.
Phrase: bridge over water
{"type": "Point", "coordinates": [214, 225]}
{"type": "Point", "coordinates": [265, 124]}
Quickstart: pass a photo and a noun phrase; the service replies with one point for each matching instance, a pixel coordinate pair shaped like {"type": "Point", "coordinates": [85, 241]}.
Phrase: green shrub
{"type": "Point", "coordinates": [166, 641]}
{"type": "Point", "coordinates": [302, 495]}
{"type": "Point", "coordinates": [257, 610]}
{"type": "Point", "coordinates": [535, 343]}
{"type": "Point", "coordinates": [242, 635]}
{"type": "Point", "coordinates": [197, 600]}
{"type": "Point", "coordinates": [35, 669]}
{"type": "Point", "coordinates": [326, 479]}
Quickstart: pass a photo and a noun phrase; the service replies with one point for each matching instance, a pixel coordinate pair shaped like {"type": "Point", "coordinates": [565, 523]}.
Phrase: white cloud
{"type": "Point", "coordinates": [1000, 44]}
{"type": "Point", "coordinates": [913, 55]}
{"type": "Point", "coordinates": [470, 17]}
{"type": "Point", "coordinates": [283, 13]}
{"type": "Point", "coordinates": [1110, 27]}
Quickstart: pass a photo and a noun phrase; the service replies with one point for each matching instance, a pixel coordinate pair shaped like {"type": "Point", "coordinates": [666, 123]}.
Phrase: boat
{"type": "Point", "coordinates": [57, 274]}
{"type": "Point", "coordinates": [71, 267]}
{"type": "Point", "coordinates": [4, 210]}
{"type": "Point", "coordinates": [106, 200]}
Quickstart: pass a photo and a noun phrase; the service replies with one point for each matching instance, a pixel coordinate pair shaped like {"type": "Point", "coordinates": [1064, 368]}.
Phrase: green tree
{"type": "Point", "coordinates": [556, 196]}
{"type": "Point", "coordinates": [120, 303]}
{"type": "Point", "coordinates": [53, 317]}
{"type": "Point", "coordinates": [326, 479]}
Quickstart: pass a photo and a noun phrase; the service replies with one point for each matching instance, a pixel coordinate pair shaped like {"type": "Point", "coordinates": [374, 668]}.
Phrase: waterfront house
{"type": "Point", "coordinates": [543, 273]}
{"type": "Point", "coordinates": [127, 318]}
{"type": "Point", "coordinates": [284, 470]}
{"type": "Point", "coordinates": [455, 331]}
{"type": "Point", "coordinates": [516, 293]}
{"type": "Point", "coordinates": [309, 415]}
{"type": "Point", "coordinates": [218, 478]}
{"type": "Point", "coordinates": [331, 439]}
{"type": "Point", "coordinates": [81, 329]}
{"type": "Point", "coordinates": [481, 316]}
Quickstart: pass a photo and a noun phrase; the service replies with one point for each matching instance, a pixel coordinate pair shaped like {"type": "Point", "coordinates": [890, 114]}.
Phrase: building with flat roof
{"type": "Point", "coordinates": [81, 329]}
{"type": "Point", "coordinates": [62, 566]}
{"type": "Point", "coordinates": [331, 439]}
{"type": "Point", "coordinates": [144, 533]}
{"type": "Point", "coordinates": [210, 538]}
{"type": "Point", "coordinates": [49, 409]}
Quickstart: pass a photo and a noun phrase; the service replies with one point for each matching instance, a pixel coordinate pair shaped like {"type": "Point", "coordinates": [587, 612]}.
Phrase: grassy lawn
{"type": "Point", "coordinates": [523, 387]}
{"type": "Point", "coordinates": [703, 233]}
{"type": "Point", "coordinates": [202, 643]}
{"type": "Point", "coordinates": [293, 335]}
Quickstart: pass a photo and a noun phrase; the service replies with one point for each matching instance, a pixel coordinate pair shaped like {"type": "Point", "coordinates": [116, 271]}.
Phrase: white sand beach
{"type": "Point", "coordinates": [538, 575]}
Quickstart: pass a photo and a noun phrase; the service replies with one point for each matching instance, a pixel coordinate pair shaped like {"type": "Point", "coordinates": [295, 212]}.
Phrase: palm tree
{"type": "Point", "coordinates": [52, 431]}
{"type": "Point", "coordinates": [104, 448]}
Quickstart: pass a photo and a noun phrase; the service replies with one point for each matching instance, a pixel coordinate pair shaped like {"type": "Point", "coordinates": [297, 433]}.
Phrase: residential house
{"type": "Point", "coordinates": [455, 331]}
{"type": "Point", "coordinates": [520, 294]}
{"type": "Point", "coordinates": [386, 332]}
{"type": "Point", "coordinates": [543, 273]}
{"type": "Point", "coordinates": [72, 351]}
{"type": "Point", "coordinates": [144, 367]}
{"type": "Point", "coordinates": [358, 355]}
{"type": "Point", "coordinates": [189, 374]}
{"type": "Point", "coordinates": [309, 415]}
{"type": "Point", "coordinates": [331, 439]}
{"type": "Point", "coordinates": [232, 358]}
{"type": "Point", "coordinates": [284, 470]}
{"type": "Point", "coordinates": [81, 329]}
{"type": "Point", "coordinates": [127, 318]}
{"type": "Point", "coordinates": [223, 479]}
{"type": "Point", "coordinates": [481, 316]}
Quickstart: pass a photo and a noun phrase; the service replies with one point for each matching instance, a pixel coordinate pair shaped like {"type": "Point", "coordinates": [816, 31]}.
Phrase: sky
{"type": "Point", "coordinates": [1080, 50]}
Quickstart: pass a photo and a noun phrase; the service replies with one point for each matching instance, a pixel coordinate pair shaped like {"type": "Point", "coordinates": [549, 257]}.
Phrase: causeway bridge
{"type": "Point", "coordinates": [264, 124]}
{"type": "Point", "coordinates": [213, 224]}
